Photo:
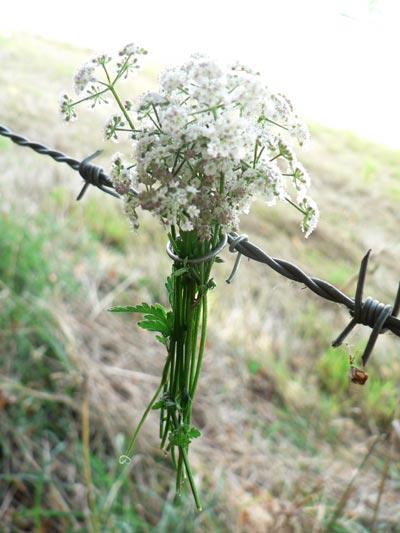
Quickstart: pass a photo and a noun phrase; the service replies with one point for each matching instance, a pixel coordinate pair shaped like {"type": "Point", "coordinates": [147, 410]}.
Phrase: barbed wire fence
{"type": "Point", "coordinates": [378, 316]}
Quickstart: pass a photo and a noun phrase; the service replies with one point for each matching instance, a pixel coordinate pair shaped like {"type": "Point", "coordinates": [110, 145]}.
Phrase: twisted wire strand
{"type": "Point", "coordinates": [92, 174]}
{"type": "Point", "coordinates": [212, 253]}
{"type": "Point", "coordinates": [39, 148]}
{"type": "Point", "coordinates": [318, 286]}
{"type": "Point", "coordinates": [379, 317]}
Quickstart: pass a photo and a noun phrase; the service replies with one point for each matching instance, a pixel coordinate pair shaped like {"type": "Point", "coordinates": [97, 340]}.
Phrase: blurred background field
{"type": "Point", "coordinates": [284, 430]}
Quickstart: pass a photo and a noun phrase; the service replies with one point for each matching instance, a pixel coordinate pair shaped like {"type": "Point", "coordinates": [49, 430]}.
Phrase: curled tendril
{"type": "Point", "coordinates": [124, 460]}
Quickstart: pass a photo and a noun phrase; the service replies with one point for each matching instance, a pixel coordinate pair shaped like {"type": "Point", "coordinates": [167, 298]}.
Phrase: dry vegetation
{"type": "Point", "coordinates": [284, 431]}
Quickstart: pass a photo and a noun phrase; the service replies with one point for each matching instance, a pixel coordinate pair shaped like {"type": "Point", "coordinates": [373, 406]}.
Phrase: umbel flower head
{"type": "Point", "coordinates": [210, 141]}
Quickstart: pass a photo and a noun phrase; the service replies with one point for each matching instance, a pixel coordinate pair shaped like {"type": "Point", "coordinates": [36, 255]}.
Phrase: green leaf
{"type": "Point", "coordinates": [155, 325]}
{"type": "Point", "coordinates": [159, 405]}
{"type": "Point", "coordinates": [155, 317]}
{"type": "Point", "coordinates": [163, 340]}
{"type": "Point", "coordinates": [179, 272]}
{"type": "Point", "coordinates": [123, 309]}
{"type": "Point", "coordinates": [194, 433]}
{"type": "Point", "coordinates": [143, 308]}
{"type": "Point", "coordinates": [183, 436]}
{"type": "Point", "coordinates": [164, 403]}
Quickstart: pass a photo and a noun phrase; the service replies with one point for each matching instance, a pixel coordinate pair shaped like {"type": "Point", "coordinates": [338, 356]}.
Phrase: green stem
{"type": "Point", "coordinates": [260, 154]}
{"type": "Point", "coordinates": [255, 153]}
{"type": "Point", "coordinates": [295, 205]}
{"type": "Point", "coordinates": [275, 157]}
{"type": "Point", "coordinates": [122, 70]}
{"type": "Point", "coordinates": [178, 485]}
{"type": "Point", "coordinates": [208, 109]}
{"type": "Point", "coordinates": [188, 343]}
{"type": "Point", "coordinates": [88, 97]}
{"type": "Point", "coordinates": [184, 455]}
{"type": "Point", "coordinates": [122, 107]}
{"type": "Point", "coordinates": [148, 409]}
{"type": "Point", "coordinates": [194, 343]}
{"type": "Point", "coordinates": [276, 124]}
{"type": "Point", "coordinates": [202, 344]}
{"type": "Point", "coordinates": [191, 480]}
{"type": "Point", "coordinates": [156, 114]}
{"type": "Point", "coordinates": [117, 98]}
{"type": "Point", "coordinates": [186, 350]}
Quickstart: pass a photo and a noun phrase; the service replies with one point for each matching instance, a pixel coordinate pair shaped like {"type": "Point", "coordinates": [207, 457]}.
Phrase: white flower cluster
{"type": "Point", "coordinates": [210, 142]}
{"type": "Point", "coordinates": [206, 145]}
{"type": "Point", "coordinates": [88, 82]}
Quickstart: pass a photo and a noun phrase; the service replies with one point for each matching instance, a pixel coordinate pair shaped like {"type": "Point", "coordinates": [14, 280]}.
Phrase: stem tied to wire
{"type": "Point", "coordinates": [183, 331]}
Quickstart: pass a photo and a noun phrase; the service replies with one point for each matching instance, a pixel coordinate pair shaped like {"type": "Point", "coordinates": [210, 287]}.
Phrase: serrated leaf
{"type": "Point", "coordinates": [183, 436]}
{"type": "Point", "coordinates": [155, 325]}
{"type": "Point", "coordinates": [155, 318]}
{"type": "Point", "coordinates": [159, 310]}
{"type": "Point", "coordinates": [194, 433]}
{"type": "Point", "coordinates": [143, 308]}
{"type": "Point", "coordinates": [123, 309]}
{"type": "Point", "coordinates": [162, 340]}
{"type": "Point", "coordinates": [140, 308]}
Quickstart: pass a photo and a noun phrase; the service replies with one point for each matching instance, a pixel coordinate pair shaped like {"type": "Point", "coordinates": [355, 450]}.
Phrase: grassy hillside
{"type": "Point", "coordinates": [284, 432]}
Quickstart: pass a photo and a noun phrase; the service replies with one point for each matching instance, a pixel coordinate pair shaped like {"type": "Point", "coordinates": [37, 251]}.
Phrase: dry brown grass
{"type": "Point", "coordinates": [278, 449]}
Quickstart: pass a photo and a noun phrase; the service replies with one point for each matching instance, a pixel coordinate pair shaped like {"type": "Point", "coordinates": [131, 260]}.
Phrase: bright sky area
{"type": "Point", "coordinates": [337, 59]}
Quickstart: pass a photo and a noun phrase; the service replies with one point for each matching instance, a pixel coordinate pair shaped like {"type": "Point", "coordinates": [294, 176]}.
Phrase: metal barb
{"type": "Point", "coordinates": [357, 302]}
{"type": "Point", "coordinates": [92, 174]}
{"type": "Point", "coordinates": [369, 313]}
{"type": "Point", "coordinates": [396, 305]}
{"type": "Point", "coordinates": [360, 285]}
{"type": "Point", "coordinates": [232, 248]}
{"type": "Point", "coordinates": [377, 329]}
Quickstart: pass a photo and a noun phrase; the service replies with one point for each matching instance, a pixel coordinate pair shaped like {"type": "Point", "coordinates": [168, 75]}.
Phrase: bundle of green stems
{"type": "Point", "coordinates": [187, 287]}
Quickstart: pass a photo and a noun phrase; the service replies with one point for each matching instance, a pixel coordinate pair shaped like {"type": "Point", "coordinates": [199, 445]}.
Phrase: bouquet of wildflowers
{"type": "Point", "coordinates": [205, 146]}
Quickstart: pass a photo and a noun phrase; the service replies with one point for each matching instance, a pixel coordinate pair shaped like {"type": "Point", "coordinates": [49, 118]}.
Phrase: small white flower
{"type": "Point", "coordinates": [130, 206]}
{"type": "Point", "coordinates": [120, 175]}
{"type": "Point", "coordinates": [186, 225]}
{"type": "Point", "coordinates": [112, 127]}
{"type": "Point", "coordinates": [66, 108]}
{"type": "Point", "coordinates": [193, 211]}
{"type": "Point", "coordinates": [117, 159]}
{"type": "Point", "coordinates": [84, 76]}
{"type": "Point", "coordinates": [300, 130]}
{"type": "Point", "coordinates": [311, 217]}
{"type": "Point", "coordinates": [301, 178]}
{"type": "Point", "coordinates": [132, 49]}
{"type": "Point", "coordinates": [102, 59]}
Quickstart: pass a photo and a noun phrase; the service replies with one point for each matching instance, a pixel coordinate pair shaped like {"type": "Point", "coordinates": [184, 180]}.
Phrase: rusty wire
{"type": "Point", "coordinates": [372, 313]}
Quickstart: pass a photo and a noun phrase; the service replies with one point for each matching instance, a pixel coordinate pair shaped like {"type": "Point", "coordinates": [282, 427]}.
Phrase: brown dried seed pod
{"type": "Point", "coordinates": [357, 375]}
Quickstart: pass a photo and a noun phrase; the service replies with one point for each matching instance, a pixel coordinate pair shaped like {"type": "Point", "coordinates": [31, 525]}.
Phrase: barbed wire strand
{"type": "Point", "coordinates": [92, 174]}
{"type": "Point", "coordinates": [371, 313]}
